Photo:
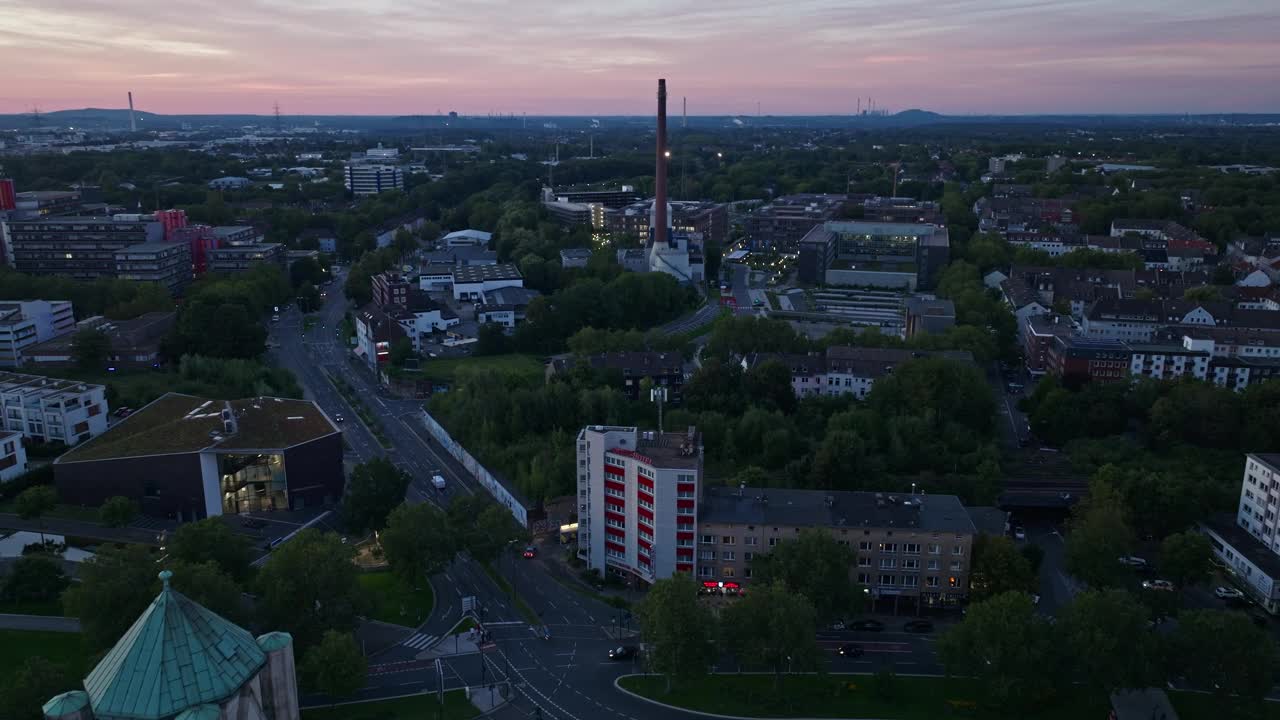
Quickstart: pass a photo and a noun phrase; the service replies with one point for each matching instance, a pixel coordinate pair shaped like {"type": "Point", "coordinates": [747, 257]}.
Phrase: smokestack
{"type": "Point", "coordinates": [133, 122]}
{"type": "Point", "coordinates": [684, 112]}
{"type": "Point", "coordinates": [659, 233]}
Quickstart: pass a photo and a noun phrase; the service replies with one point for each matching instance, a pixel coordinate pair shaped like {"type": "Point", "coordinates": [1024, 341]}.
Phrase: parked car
{"type": "Point", "coordinates": [867, 625]}
{"type": "Point", "coordinates": [623, 652]}
{"type": "Point", "coordinates": [530, 551]}
{"type": "Point", "coordinates": [849, 650]}
{"type": "Point", "coordinates": [1228, 593]}
{"type": "Point", "coordinates": [338, 418]}
{"type": "Point", "coordinates": [1163, 585]}
{"type": "Point", "coordinates": [1133, 561]}
{"type": "Point", "coordinates": [918, 626]}
{"type": "Point", "coordinates": [1019, 533]}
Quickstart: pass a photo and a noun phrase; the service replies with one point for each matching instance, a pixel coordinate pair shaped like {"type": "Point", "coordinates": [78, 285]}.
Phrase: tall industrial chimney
{"type": "Point", "coordinates": [133, 121]}
{"type": "Point", "coordinates": [659, 231]}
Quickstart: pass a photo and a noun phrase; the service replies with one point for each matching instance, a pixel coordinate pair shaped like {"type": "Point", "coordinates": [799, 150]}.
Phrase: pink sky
{"type": "Point", "coordinates": [596, 58]}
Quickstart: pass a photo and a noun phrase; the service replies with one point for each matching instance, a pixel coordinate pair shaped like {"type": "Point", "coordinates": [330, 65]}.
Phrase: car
{"type": "Point", "coordinates": [1019, 533]}
{"type": "Point", "coordinates": [1133, 561]}
{"type": "Point", "coordinates": [866, 625]}
{"type": "Point", "coordinates": [1228, 593]}
{"type": "Point", "coordinates": [918, 626]}
{"type": "Point", "coordinates": [530, 551]}
{"type": "Point", "coordinates": [1162, 585]}
{"type": "Point", "coordinates": [338, 418]}
{"type": "Point", "coordinates": [623, 652]}
{"type": "Point", "coordinates": [849, 650]}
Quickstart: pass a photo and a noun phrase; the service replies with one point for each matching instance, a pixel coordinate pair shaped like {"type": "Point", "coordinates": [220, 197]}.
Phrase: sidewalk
{"type": "Point", "coordinates": [488, 698]}
{"type": "Point", "coordinates": [79, 528]}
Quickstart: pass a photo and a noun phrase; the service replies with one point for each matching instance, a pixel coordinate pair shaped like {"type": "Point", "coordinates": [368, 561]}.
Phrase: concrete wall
{"type": "Point", "coordinates": [505, 497]}
{"type": "Point", "coordinates": [313, 472]}
{"type": "Point", "coordinates": [163, 485]}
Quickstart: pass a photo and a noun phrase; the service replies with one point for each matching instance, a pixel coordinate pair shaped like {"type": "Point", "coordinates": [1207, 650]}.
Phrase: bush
{"type": "Point", "coordinates": [118, 511]}
{"type": "Point", "coordinates": [35, 578]}
{"type": "Point", "coordinates": [42, 475]}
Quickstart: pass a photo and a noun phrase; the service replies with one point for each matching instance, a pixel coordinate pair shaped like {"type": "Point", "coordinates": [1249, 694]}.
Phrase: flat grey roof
{"type": "Point", "coordinates": [843, 509]}
{"type": "Point", "coordinates": [480, 273]}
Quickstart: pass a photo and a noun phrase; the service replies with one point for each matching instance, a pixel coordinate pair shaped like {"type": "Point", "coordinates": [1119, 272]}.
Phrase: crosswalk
{"type": "Point", "coordinates": [419, 641]}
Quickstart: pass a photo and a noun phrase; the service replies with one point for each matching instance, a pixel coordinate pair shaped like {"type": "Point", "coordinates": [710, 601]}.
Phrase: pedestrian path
{"type": "Point", "coordinates": [419, 641]}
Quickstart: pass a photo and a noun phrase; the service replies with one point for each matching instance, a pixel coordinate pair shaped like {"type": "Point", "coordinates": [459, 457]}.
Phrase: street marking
{"type": "Point", "coordinates": [419, 641]}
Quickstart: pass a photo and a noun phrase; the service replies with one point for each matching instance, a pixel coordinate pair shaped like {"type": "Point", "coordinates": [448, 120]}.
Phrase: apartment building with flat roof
{"type": "Point", "coordinates": [25, 323]}
{"type": "Point", "coordinates": [47, 409]}
{"type": "Point", "coordinates": [908, 548]}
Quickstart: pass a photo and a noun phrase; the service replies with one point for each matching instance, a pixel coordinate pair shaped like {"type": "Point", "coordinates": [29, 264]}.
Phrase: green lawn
{"type": "Point", "coordinates": [1200, 706]}
{"type": "Point", "coordinates": [845, 696]}
{"type": "Point", "coordinates": [446, 369]}
{"type": "Point", "coordinates": [392, 602]}
{"type": "Point", "coordinates": [463, 625]}
{"type": "Point", "coordinates": [11, 607]}
{"type": "Point", "coordinates": [417, 707]}
{"type": "Point", "coordinates": [62, 648]}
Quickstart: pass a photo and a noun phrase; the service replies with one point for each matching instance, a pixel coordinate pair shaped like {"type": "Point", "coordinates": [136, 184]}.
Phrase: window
{"type": "Point", "coordinates": [886, 580]}
{"type": "Point", "coordinates": [751, 540]}
{"type": "Point", "coordinates": [933, 564]}
{"type": "Point", "coordinates": [955, 566]}
{"type": "Point", "coordinates": [727, 572]}
{"type": "Point", "coordinates": [728, 540]}
{"type": "Point", "coordinates": [911, 564]}
{"type": "Point", "coordinates": [686, 478]}
{"type": "Point", "coordinates": [957, 550]}
{"type": "Point", "coordinates": [935, 549]}
{"type": "Point", "coordinates": [728, 555]}
{"type": "Point", "coordinates": [706, 554]}
{"type": "Point", "coordinates": [748, 556]}
{"type": "Point", "coordinates": [931, 581]}
{"type": "Point", "coordinates": [910, 581]}
{"type": "Point", "coordinates": [864, 562]}
{"type": "Point", "coordinates": [773, 541]}
{"type": "Point", "coordinates": [954, 581]}
{"type": "Point", "coordinates": [704, 572]}
{"type": "Point", "coordinates": [864, 545]}
{"type": "Point", "coordinates": [709, 539]}
{"type": "Point", "coordinates": [911, 548]}
{"type": "Point", "coordinates": [889, 547]}
{"type": "Point", "coordinates": [888, 563]}
{"type": "Point", "coordinates": [746, 573]}
{"type": "Point", "coordinates": [863, 578]}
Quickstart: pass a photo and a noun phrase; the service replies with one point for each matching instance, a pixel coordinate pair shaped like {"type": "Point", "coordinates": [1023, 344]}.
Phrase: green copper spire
{"type": "Point", "coordinates": [176, 656]}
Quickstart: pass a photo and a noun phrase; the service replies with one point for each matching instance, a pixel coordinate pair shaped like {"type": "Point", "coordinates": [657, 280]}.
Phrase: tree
{"type": "Point", "coordinates": [374, 489]}
{"type": "Point", "coordinates": [34, 502]}
{"type": "Point", "coordinates": [772, 627]}
{"type": "Point", "coordinates": [309, 585]}
{"type": "Point", "coordinates": [1106, 637]}
{"type": "Point", "coordinates": [35, 578]}
{"type": "Point", "coordinates": [91, 349]}
{"type": "Point", "coordinates": [1007, 646]}
{"type": "Point", "coordinates": [998, 568]}
{"type": "Point", "coordinates": [401, 351]}
{"type": "Point", "coordinates": [335, 666]}
{"type": "Point", "coordinates": [206, 583]}
{"type": "Point", "coordinates": [481, 526]}
{"type": "Point", "coordinates": [212, 540]}
{"type": "Point", "coordinates": [1099, 537]}
{"type": "Point", "coordinates": [30, 687]}
{"type": "Point", "coordinates": [1224, 652]}
{"type": "Point", "coordinates": [814, 565]}
{"type": "Point", "coordinates": [418, 542]}
{"type": "Point", "coordinates": [115, 586]}
{"type": "Point", "coordinates": [678, 629]}
{"type": "Point", "coordinates": [1185, 558]}
{"type": "Point", "coordinates": [118, 511]}
{"type": "Point", "coordinates": [492, 339]}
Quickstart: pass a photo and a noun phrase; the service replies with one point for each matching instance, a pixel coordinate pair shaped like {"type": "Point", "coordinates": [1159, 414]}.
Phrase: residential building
{"type": "Point", "coordinates": [458, 238]}
{"type": "Point", "coordinates": [29, 322]}
{"type": "Point", "coordinates": [385, 234]}
{"type": "Point", "coordinates": [628, 370]}
{"type": "Point", "coordinates": [781, 224]}
{"type": "Point", "coordinates": [845, 370]}
{"type": "Point", "coordinates": [371, 179]}
{"type": "Point", "coordinates": [929, 315]}
{"type": "Point", "coordinates": [230, 183]}
{"type": "Point", "coordinates": [472, 282]}
{"type": "Point", "coordinates": [82, 248]}
{"type": "Point", "coordinates": [167, 264]}
{"type": "Point", "coordinates": [187, 458]}
{"type": "Point", "coordinates": [134, 343]}
{"type": "Point", "coordinates": [505, 306]}
{"type": "Point", "coordinates": [898, 255]}
{"type": "Point", "coordinates": [375, 331]}
{"type": "Point", "coordinates": [571, 214]}
{"type": "Point", "coordinates": [1039, 333]}
{"type": "Point", "coordinates": [1248, 544]}
{"type": "Point", "coordinates": [392, 289]}
{"type": "Point", "coordinates": [574, 257]}
{"type": "Point", "coordinates": [638, 501]}
{"type": "Point", "coordinates": [423, 320]}
{"type": "Point", "coordinates": [908, 548]}
{"type": "Point", "coordinates": [13, 455]}
{"type": "Point", "coordinates": [236, 235]}
{"type": "Point", "coordinates": [179, 660]}
{"type": "Point", "coordinates": [239, 258]}
{"type": "Point", "coordinates": [199, 239]}
{"type": "Point", "coordinates": [47, 409]}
